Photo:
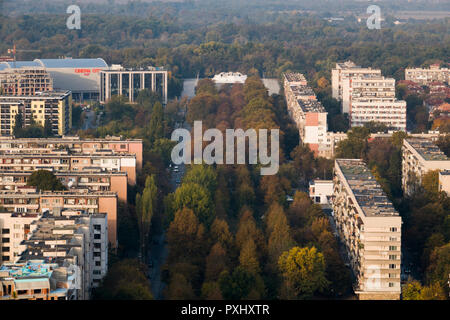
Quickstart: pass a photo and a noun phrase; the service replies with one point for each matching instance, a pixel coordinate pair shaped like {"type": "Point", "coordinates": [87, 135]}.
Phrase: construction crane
{"type": "Point", "coordinates": [14, 50]}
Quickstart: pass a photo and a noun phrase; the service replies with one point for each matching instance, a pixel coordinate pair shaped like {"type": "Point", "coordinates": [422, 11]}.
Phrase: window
{"type": "Point", "coordinates": [5, 231]}
{"type": "Point", "coordinates": [393, 229]}
{"type": "Point", "coordinates": [392, 275]}
{"type": "Point", "coordinates": [392, 266]}
{"type": "Point", "coordinates": [391, 284]}
{"type": "Point", "coordinates": [97, 236]}
{"type": "Point", "coordinates": [97, 227]}
{"type": "Point", "coordinates": [98, 264]}
{"type": "Point", "coordinates": [392, 239]}
{"type": "Point", "coordinates": [5, 258]}
{"type": "Point", "coordinates": [392, 248]}
{"type": "Point", "coordinates": [5, 240]}
{"type": "Point", "coordinates": [5, 249]}
{"type": "Point", "coordinates": [392, 257]}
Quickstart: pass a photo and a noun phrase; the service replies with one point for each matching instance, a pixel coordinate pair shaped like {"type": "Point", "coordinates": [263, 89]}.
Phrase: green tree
{"type": "Point", "coordinates": [238, 285]}
{"type": "Point", "coordinates": [45, 180]}
{"type": "Point", "coordinates": [145, 209]}
{"type": "Point", "coordinates": [303, 270]}
{"type": "Point", "coordinates": [156, 126]}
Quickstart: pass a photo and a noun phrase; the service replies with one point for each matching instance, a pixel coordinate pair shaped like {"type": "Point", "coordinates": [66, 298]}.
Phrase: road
{"type": "Point", "coordinates": [90, 122]}
{"type": "Point", "coordinates": [159, 249]}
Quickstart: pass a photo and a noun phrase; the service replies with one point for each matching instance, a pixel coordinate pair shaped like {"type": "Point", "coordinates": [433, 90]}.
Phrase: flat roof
{"type": "Point", "coordinates": [427, 149]}
{"type": "Point", "coordinates": [371, 198]}
{"type": "Point", "coordinates": [72, 63]}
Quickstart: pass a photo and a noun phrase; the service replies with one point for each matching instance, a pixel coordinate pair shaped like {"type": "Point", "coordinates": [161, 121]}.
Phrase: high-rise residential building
{"type": "Point", "coordinates": [30, 201]}
{"type": "Point", "coordinates": [66, 246]}
{"type": "Point", "coordinates": [119, 81]}
{"type": "Point", "coordinates": [89, 179]}
{"type": "Point", "coordinates": [66, 161]}
{"type": "Point", "coordinates": [370, 229]}
{"type": "Point", "coordinates": [74, 144]}
{"type": "Point", "coordinates": [55, 107]}
{"type": "Point", "coordinates": [419, 156]}
{"type": "Point", "coordinates": [308, 113]}
{"type": "Point", "coordinates": [367, 96]}
{"type": "Point", "coordinates": [348, 70]}
{"type": "Point", "coordinates": [390, 112]}
{"type": "Point", "coordinates": [425, 76]}
{"type": "Point", "coordinates": [24, 81]}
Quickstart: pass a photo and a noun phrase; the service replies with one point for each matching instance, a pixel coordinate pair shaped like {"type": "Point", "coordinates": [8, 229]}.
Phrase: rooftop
{"type": "Point", "coordinates": [295, 77]}
{"type": "Point", "coordinates": [368, 193]}
{"type": "Point", "coordinates": [427, 149]}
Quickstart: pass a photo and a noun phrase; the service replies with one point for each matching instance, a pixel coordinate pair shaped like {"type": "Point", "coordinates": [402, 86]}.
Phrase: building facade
{"type": "Point", "coordinates": [25, 81]}
{"type": "Point", "coordinates": [118, 81]}
{"type": "Point", "coordinates": [55, 107]}
{"type": "Point", "coordinates": [30, 201]}
{"type": "Point", "coordinates": [370, 229]}
{"type": "Point", "coordinates": [348, 70]}
{"type": "Point", "coordinates": [74, 144]}
{"type": "Point", "coordinates": [419, 156]}
{"type": "Point", "coordinates": [93, 180]}
{"type": "Point", "coordinates": [425, 76]}
{"type": "Point", "coordinates": [308, 113]}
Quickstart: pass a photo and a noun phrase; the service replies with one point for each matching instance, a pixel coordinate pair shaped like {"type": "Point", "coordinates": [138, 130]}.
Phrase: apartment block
{"type": "Point", "coordinates": [348, 70]}
{"type": "Point", "coordinates": [36, 280]}
{"type": "Point", "coordinates": [308, 113]}
{"type": "Point", "coordinates": [55, 107]}
{"type": "Point", "coordinates": [66, 161]}
{"type": "Point", "coordinates": [25, 81]}
{"type": "Point", "coordinates": [73, 244]}
{"type": "Point", "coordinates": [14, 228]}
{"type": "Point", "coordinates": [321, 191]}
{"type": "Point", "coordinates": [92, 180]}
{"type": "Point", "coordinates": [376, 88]}
{"type": "Point", "coordinates": [30, 201]}
{"type": "Point", "coordinates": [390, 112]}
{"type": "Point", "coordinates": [74, 144]}
{"type": "Point", "coordinates": [370, 229]}
{"type": "Point", "coordinates": [425, 76]}
{"type": "Point", "coordinates": [419, 156]}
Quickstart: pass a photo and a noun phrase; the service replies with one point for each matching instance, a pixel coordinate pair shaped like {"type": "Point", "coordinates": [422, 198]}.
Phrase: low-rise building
{"type": "Point", "coordinates": [321, 191]}
{"type": "Point", "coordinates": [419, 156]}
{"type": "Point", "coordinates": [370, 229]}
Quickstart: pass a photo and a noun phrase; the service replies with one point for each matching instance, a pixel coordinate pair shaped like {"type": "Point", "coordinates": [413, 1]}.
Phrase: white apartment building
{"type": "Point", "coordinates": [321, 191]}
{"type": "Point", "coordinates": [390, 112]}
{"type": "Point", "coordinates": [14, 229]}
{"type": "Point", "coordinates": [425, 76]}
{"type": "Point", "coordinates": [370, 228]}
{"type": "Point", "coordinates": [348, 70]}
{"type": "Point", "coordinates": [366, 87]}
{"type": "Point", "coordinates": [419, 156]}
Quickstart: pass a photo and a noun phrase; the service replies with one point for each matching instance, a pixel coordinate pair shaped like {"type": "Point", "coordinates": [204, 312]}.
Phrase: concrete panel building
{"type": "Point", "coordinates": [308, 113]}
{"type": "Point", "coordinates": [348, 70]}
{"type": "Point", "coordinates": [425, 76]}
{"type": "Point", "coordinates": [370, 229]}
{"type": "Point", "coordinates": [419, 156]}
{"type": "Point", "coordinates": [74, 144]}
{"type": "Point", "coordinates": [444, 181]}
{"type": "Point", "coordinates": [91, 180]}
{"type": "Point", "coordinates": [30, 201]}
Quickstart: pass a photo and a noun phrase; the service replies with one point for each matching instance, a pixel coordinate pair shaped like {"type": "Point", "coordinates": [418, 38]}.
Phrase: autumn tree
{"type": "Point", "coordinates": [303, 271]}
